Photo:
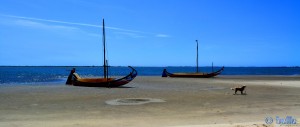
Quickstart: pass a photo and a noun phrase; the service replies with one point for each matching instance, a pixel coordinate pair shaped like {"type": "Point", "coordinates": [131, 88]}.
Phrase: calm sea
{"type": "Point", "coordinates": [26, 75]}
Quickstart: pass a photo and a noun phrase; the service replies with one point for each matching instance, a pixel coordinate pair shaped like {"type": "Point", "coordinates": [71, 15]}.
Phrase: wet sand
{"type": "Point", "coordinates": [178, 102]}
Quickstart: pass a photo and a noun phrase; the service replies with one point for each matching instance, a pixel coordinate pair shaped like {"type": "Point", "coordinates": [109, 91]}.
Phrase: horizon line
{"type": "Point", "coordinates": [126, 66]}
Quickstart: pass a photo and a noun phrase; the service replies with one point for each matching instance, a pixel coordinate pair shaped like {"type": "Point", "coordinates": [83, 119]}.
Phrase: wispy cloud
{"type": "Point", "coordinates": [53, 21]}
{"type": "Point", "coordinates": [61, 29]}
{"type": "Point", "coordinates": [133, 35]}
{"type": "Point", "coordinates": [162, 35]}
{"type": "Point", "coordinates": [32, 22]}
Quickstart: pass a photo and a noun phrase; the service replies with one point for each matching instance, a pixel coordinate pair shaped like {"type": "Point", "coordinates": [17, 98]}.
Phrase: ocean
{"type": "Point", "coordinates": [54, 74]}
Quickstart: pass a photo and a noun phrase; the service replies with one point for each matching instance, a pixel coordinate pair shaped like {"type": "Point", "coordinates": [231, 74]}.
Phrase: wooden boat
{"type": "Point", "coordinates": [197, 74]}
{"type": "Point", "coordinates": [76, 80]}
{"type": "Point", "coordinates": [192, 75]}
{"type": "Point", "coordinates": [103, 82]}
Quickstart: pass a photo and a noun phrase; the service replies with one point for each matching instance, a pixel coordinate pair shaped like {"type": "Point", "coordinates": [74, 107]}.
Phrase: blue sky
{"type": "Point", "coordinates": [150, 32]}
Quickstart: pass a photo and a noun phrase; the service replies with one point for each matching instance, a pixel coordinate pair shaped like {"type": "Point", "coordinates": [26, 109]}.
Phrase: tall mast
{"type": "Point", "coordinates": [212, 67]}
{"type": "Point", "coordinates": [104, 58]}
{"type": "Point", "coordinates": [197, 57]}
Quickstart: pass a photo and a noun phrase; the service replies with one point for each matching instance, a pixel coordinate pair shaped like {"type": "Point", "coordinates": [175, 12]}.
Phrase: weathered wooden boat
{"type": "Point", "coordinates": [76, 80]}
{"type": "Point", "coordinates": [192, 75]}
{"type": "Point", "coordinates": [197, 74]}
{"type": "Point", "coordinates": [103, 82]}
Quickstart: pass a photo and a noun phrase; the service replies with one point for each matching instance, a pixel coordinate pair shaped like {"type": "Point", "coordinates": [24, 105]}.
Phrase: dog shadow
{"type": "Point", "coordinates": [240, 94]}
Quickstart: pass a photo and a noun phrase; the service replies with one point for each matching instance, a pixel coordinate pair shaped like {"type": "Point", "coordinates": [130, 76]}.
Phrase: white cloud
{"type": "Point", "coordinates": [29, 23]}
{"type": "Point", "coordinates": [133, 35]}
{"type": "Point", "coordinates": [53, 21]}
{"type": "Point", "coordinates": [61, 29]}
{"type": "Point", "coordinates": [73, 23]}
{"type": "Point", "coordinates": [162, 35]}
{"type": "Point", "coordinates": [33, 22]}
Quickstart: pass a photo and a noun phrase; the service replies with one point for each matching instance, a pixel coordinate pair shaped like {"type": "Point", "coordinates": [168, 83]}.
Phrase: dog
{"type": "Point", "coordinates": [239, 89]}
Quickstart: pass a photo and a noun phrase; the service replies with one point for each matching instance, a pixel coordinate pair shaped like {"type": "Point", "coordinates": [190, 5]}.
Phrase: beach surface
{"type": "Point", "coordinates": [153, 102]}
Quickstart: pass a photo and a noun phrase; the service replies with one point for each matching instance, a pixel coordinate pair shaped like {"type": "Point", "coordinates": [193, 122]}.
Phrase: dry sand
{"type": "Point", "coordinates": [177, 102]}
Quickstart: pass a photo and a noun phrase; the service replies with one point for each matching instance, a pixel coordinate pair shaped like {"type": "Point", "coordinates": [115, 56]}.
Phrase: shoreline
{"type": "Point", "coordinates": [185, 102]}
{"type": "Point", "coordinates": [219, 77]}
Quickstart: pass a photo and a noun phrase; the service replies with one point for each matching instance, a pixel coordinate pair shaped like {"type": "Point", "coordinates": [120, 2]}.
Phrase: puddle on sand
{"type": "Point", "coordinates": [133, 101]}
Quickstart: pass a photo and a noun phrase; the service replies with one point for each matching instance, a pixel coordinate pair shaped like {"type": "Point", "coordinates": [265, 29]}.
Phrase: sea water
{"type": "Point", "coordinates": [48, 74]}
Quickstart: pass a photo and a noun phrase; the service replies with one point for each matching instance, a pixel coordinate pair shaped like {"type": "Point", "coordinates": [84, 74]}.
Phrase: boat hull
{"type": "Point", "coordinates": [192, 75]}
{"type": "Point", "coordinates": [102, 82]}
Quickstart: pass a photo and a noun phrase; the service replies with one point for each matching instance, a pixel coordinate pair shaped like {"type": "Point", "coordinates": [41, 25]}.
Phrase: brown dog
{"type": "Point", "coordinates": [239, 89]}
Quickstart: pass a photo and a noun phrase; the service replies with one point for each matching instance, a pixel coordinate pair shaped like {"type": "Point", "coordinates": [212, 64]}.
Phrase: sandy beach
{"type": "Point", "coordinates": [153, 102]}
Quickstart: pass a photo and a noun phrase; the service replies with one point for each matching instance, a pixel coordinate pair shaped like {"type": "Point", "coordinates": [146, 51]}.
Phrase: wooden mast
{"type": "Point", "coordinates": [197, 57]}
{"type": "Point", "coordinates": [212, 67]}
{"type": "Point", "coordinates": [105, 73]}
